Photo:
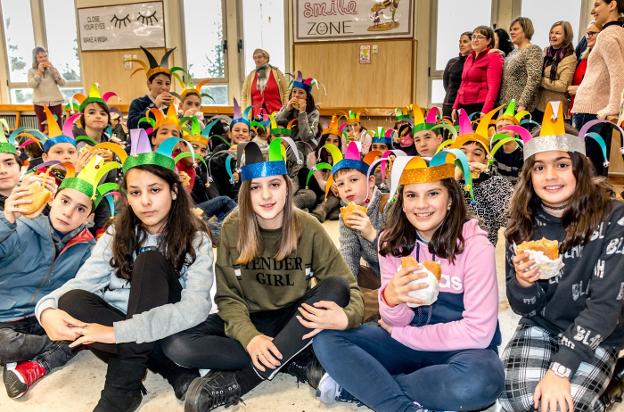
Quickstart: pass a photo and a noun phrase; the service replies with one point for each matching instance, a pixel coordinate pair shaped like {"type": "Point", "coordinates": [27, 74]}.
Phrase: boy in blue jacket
{"type": "Point", "coordinates": [37, 255]}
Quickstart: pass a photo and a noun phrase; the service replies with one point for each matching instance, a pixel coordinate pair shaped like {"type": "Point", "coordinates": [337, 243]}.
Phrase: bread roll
{"type": "Point", "coordinates": [40, 197]}
{"type": "Point", "coordinates": [550, 248]}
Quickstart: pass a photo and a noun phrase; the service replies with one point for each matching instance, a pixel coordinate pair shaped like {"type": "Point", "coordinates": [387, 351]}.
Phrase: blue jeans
{"type": "Point", "coordinates": [219, 206]}
{"type": "Point", "coordinates": [591, 147]}
{"type": "Point", "coordinates": [389, 376]}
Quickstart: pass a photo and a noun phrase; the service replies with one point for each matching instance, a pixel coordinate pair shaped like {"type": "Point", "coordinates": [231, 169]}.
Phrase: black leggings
{"type": "Point", "coordinates": [154, 283]}
{"type": "Point", "coordinates": [206, 346]}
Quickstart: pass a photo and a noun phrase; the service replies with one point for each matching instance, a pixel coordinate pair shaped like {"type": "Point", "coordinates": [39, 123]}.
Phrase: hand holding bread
{"type": "Point", "coordinates": [536, 260]}
{"type": "Point", "coordinates": [407, 279]}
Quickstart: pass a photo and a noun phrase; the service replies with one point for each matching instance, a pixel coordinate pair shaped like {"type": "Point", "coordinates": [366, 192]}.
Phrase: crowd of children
{"type": "Point", "coordinates": [106, 244]}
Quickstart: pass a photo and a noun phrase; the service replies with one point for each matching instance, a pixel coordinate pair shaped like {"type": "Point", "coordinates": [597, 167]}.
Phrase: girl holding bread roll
{"type": "Point", "coordinates": [423, 339]}
{"type": "Point", "coordinates": [563, 354]}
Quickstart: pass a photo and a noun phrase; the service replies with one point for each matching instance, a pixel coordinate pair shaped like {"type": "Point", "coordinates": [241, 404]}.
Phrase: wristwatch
{"type": "Point", "coordinates": [560, 370]}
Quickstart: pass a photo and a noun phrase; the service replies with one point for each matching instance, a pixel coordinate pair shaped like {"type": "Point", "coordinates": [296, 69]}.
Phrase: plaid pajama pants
{"type": "Point", "coordinates": [527, 358]}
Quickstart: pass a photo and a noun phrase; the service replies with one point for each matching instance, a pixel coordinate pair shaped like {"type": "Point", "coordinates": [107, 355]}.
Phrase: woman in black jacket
{"type": "Point", "coordinates": [453, 73]}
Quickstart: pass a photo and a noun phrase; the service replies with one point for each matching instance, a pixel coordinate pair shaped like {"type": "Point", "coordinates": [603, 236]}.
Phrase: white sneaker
{"type": "Point", "coordinates": [328, 390]}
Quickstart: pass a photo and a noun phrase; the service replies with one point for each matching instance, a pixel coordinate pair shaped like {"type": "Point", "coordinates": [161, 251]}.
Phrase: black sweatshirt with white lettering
{"type": "Point", "coordinates": [584, 303]}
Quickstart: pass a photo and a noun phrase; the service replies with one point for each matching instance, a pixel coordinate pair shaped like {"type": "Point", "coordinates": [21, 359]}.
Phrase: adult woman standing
{"type": "Point", "coordinates": [559, 65]}
{"type": "Point", "coordinates": [581, 68]}
{"type": "Point", "coordinates": [502, 41]}
{"type": "Point", "coordinates": [481, 76]}
{"type": "Point", "coordinates": [522, 72]}
{"type": "Point", "coordinates": [265, 87]}
{"type": "Point", "coordinates": [598, 96]}
{"type": "Point", "coordinates": [453, 73]}
{"type": "Point", "coordinates": [45, 80]}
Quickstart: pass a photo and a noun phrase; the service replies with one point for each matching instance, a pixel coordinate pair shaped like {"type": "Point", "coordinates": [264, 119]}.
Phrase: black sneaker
{"type": "Point", "coordinates": [307, 371]}
{"type": "Point", "coordinates": [217, 388]}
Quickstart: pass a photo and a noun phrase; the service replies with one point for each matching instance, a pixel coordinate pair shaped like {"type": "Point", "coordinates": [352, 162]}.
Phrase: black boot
{"type": "Point", "coordinates": [122, 389]}
{"type": "Point", "coordinates": [306, 368]}
{"type": "Point", "coordinates": [178, 377]}
{"type": "Point", "coordinates": [215, 389]}
{"type": "Point", "coordinates": [615, 389]}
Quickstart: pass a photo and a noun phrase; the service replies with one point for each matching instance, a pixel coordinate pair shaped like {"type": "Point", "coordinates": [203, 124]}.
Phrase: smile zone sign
{"type": "Point", "coordinates": [331, 20]}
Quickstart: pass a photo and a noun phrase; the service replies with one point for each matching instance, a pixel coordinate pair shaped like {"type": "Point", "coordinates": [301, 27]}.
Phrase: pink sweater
{"type": "Point", "coordinates": [472, 278]}
{"type": "Point", "coordinates": [481, 80]}
{"type": "Point", "coordinates": [599, 92]}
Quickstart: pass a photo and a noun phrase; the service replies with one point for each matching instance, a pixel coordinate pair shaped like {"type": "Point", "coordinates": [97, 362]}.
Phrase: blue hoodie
{"type": "Point", "coordinates": [34, 261]}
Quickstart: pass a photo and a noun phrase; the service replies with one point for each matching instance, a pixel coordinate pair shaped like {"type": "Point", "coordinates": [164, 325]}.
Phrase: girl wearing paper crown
{"type": "Point", "coordinates": [301, 106]}
{"type": "Point", "coordinates": [438, 303]}
{"type": "Point", "coordinates": [567, 285]}
{"type": "Point", "coordinates": [351, 128]}
{"type": "Point", "coordinates": [191, 97]}
{"type": "Point", "coordinates": [38, 254]}
{"type": "Point", "coordinates": [10, 163]}
{"type": "Point", "coordinates": [148, 278]}
{"type": "Point", "coordinates": [280, 280]}
{"type": "Point", "coordinates": [508, 161]}
{"type": "Point", "coordinates": [94, 118]}
{"type": "Point", "coordinates": [158, 84]}
{"type": "Point", "coordinates": [491, 192]}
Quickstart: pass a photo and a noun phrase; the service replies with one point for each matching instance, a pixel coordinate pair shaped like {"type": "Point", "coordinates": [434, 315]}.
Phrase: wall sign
{"type": "Point", "coordinates": [124, 26]}
{"type": "Point", "coordinates": [330, 20]}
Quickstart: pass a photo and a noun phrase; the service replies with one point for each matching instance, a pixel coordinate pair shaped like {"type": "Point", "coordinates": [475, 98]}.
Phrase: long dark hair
{"type": "Point", "coordinates": [310, 103]}
{"type": "Point", "coordinates": [447, 241]}
{"type": "Point", "coordinates": [176, 239]}
{"type": "Point", "coordinates": [587, 207]}
{"type": "Point", "coordinates": [504, 41]}
{"type": "Point", "coordinates": [102, 106]}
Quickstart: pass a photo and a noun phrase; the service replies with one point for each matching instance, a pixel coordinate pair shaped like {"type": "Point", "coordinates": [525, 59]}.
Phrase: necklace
{"type": "Point", "coordinates": [555, 207]}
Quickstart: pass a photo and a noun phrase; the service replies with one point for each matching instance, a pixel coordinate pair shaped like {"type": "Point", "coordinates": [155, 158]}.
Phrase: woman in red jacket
{"type": "Point", "coordinates": [481, 76]}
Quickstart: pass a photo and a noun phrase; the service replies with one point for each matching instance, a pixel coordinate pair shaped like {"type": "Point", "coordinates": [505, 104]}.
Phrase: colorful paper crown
{"type": "Point", "coordinates": [194, 132]}
{"type": "Point", "coordinates": [6, 146]}
{"type": "Point", "coordinates": [141, 153]}
{"type": "Point", "coordinates": [277, 130]}
{"type": "Point", "coordinates": [260, 121]}
{"type": "Point", "coordinates": [55, 135]}
{"type": "Point", "coordinates": [160, 118]}
{"type": "Point", "coordinates": [88, 180]}
{"type": "Point", "coordinates": [240, 117]}
{"type": "Point", "coordinates": [408, 170]}
{"type": "Point", "coordinates": [93, 97]}
{"type": "Point", "coordinates": [152, 67]}
{"type": "Point", "coordinates": [381, 135]}
{"type": "Point", "coordinates": [467, 134]}
{"type": "Point", "coordinates": [431, 122]}
{"type": "Point", "coordinates": [511, 115]}
{"type": "Point", "coordinates": [403, 115]}
{"type": "Point", "coordinates": [256, 167]}
{"type": "Point", "coordinates": [552, 135]}
{"type": "Point", "coordinates": [332, 127]}
{"type": "Point", "coordinates": [305, 84]}
{"type": "Point", "coordinates": [188, 87]}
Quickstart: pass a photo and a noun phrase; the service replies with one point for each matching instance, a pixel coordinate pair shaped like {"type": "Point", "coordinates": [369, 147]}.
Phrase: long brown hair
{"type": "Point", "coordinates": [249, 243]}
{"type": "Point", "coordinates": [176, 239]}
{"type": "Point", "coordinates": [587, 206]}
{"type": "Point", "coordinates": [447, 241]}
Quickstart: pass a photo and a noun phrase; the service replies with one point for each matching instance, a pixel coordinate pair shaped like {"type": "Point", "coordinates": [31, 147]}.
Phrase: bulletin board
{"type": "Point", "coordinates": [124, 26]}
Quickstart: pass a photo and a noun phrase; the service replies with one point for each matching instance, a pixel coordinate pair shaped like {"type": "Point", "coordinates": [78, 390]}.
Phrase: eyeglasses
{"type": "Point", "coordinates": [478, 37]}
{"type": "Point", "coordinates": [591, 33]}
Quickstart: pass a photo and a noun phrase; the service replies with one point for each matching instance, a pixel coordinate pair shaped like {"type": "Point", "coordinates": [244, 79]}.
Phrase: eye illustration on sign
{"type": "Point", "coordinates": [118, 22]}
{"type": "Point", "coordinates": [148, 20]}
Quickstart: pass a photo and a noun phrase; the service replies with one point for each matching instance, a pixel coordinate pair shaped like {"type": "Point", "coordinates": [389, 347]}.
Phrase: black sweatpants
{"type": "Point", "coordinates": [206, 346]}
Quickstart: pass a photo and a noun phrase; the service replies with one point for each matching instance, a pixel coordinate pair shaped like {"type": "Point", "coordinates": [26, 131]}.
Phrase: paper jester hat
{"type": "Point", "coordinates": [332, 127]}
{"type": "Point", "coordinates": [552, 135]}
{"type": "Point", "coordinates": [160, 118]}
{"type": "Point", "coordinates": [277, 130]}
{"type": "Point", "coordinates": [511, 115]}
{"type": "Point", "coordinates": [404, 115]}
{"type": "Point", "coordinates": [255, 166]}
{"type": "Point", "coordinates": [381, 135]}
{"type": "Point", "coordinates": [305, 84]}
{"type": "Point", "coordinates": [240, 116]}
{"type": "Point", "coordinates": [141, 153]}
{"type": "Point", "coordinates": [468, 134]}
{"type": "Point", "coordinates": [93, 97]}
{"type": "Point", "coordinates": [89, 178]}
{"type": "Point", "coordinates": [194, 132]}
{"type": "Point", "coordinates": [55, 135]}
{"type": "Point", "coordinates": [152, 67]}
{"type": "Point", "coordinates": [415, 169]}
{"type": "Point", "coordinates": [6, 146]}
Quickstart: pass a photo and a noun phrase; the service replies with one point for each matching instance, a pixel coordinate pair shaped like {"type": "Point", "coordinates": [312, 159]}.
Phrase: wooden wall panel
{"type": "Point", "coordinates": [107, 68]}
{"type": "Point", "coordinates": [385, 82]}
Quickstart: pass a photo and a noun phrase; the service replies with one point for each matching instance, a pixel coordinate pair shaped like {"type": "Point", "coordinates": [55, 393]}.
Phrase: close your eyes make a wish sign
{"type": "Point", "coordinates": [125, 26]}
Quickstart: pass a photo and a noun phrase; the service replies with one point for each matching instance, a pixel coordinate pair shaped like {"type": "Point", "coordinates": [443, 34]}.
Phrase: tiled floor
{"type": "Point", "coordinates": [76, 387]}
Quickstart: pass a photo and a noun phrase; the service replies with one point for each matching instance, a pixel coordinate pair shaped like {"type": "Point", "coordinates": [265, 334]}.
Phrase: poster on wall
{"type": "Point", "coordinates": [331, 20]}
{"type": "Point", "coordinates": [124, 26]}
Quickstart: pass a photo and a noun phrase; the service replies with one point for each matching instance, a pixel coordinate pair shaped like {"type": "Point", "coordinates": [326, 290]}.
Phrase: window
{"type": "Point", "coordinates": [62, 38]}
{"type": "Point", "coordinates": [544, 13]}
{"type": "Point", "coordinates": [205, 52]}
{"type": "Point", "coordinates": [453, 17]}
{"type": "Point", "coordinates": [19, 38]}
{"type": "Point", "coordinates": [264, 28]}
